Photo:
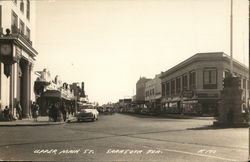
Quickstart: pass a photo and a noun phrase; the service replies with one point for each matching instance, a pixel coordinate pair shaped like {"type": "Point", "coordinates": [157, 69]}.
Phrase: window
{"type": "Point", "coordinates": [22, 6]}
{"type": "Point", "coordinates": [28, 33]}
{"type": "Point", "coordinates": [173, 87]}
{"type": "Point", "coordinates": [192, 80]}
{"type": "Point", "coordinates": [21, 27]}
{"type": "Point", "coordinates": [244, 84]}
{"type": "Point", "coordinates": [184, 82]}
{"type": "Point", "coordinates": [163, 89]}
{"type": "Point", "coordinates": [210, 78]}
{"type": "Point", "coordinates": [178, 85]}
{"type": "Point", "coordinates": [226, 73]}
{"type": "Point", "coordinates": [28, 10]}
{"type": "Point", "coordinates": [14, 22]}
{"type": "Point", "coordinates": [168, 89]}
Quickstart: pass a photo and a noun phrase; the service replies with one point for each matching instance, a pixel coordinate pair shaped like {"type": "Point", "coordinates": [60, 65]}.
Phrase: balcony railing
{"type": "Point", "coordinates": [24, 38]}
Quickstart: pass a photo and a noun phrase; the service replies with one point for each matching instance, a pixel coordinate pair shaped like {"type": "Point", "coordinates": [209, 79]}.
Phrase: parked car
{"type": "Point", "coordinates": [87, 112]}
{"type": "Point", "coordinates": [109, 111]}
{"type": "Point", "coordinates": [100, 109]}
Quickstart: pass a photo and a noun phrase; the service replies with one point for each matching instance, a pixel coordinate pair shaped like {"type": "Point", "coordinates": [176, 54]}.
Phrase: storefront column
{"type": "Point", "coordinates": [30, 69]}
{"type": "Point", "coordinates": [0, 85]}
{"type": "Point", "coordinates": [12, 77]}
{"type": "Point", "coordinates": [26, 91]}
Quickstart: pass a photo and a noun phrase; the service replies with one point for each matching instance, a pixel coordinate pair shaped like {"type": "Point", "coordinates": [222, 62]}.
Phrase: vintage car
{"type": "Point", "coordinates": [109, 111]}
{"type": "Point", "coordinates": [87, 112]}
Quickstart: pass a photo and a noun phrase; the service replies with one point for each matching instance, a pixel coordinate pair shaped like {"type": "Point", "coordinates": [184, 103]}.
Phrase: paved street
{"type": "Point", "coordinates": [123, 137]}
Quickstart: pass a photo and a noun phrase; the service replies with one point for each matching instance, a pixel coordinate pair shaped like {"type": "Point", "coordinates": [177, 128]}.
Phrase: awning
{"type": "Point", "coordinates": [52, 93]}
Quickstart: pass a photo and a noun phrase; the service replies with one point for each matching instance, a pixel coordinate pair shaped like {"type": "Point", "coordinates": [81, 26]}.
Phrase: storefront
{"type": "Point", "coordinates": [17, 58]}
{"type": "Point", "coordinates": [197, 104]}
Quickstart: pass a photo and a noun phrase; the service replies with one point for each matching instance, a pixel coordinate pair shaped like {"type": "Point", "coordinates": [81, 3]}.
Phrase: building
{"type": "Point", "coordinates": [153, 94]}
{"type": "Point", "coordinates": [194, 85]}
{"type": "Point", "coordinates": [78, 89]}
{"type": "Point", "coordinates": [17, 25]}
{"type": "Point", "coordinates": [125, 105]}
{"type": "Point", "coordinates": [140, 90]}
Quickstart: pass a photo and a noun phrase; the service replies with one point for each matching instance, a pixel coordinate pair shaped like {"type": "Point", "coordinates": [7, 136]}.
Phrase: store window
{"type": "Point", "coordinates": [192, 80]}
{"type": "Point", "coordinates": [168, 89]}
{"type": "Point", "coordinates": [210, 78]}
{"type": "Point", "coordinates": [173, 87]}
{"type": "Point", "coordinates": [178, 85]}
{"type": "Point", "coordinates": [184, 82]}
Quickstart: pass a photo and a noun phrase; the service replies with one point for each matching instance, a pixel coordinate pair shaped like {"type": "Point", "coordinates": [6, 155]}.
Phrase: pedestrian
{"type": "Point", "coordinates": [245, 113]}
{"type": "Point", "coordinates": [54, 111]}
{"type": "Point", "coordinates": [49, 111]}
{"type": "Point", "coordinates": [35, 110]}
{"type": "Point", "coordinates": [19, 110]}
{"type": "Point", "coordinates": [6, 113]}
{"type": "Point", "coordinates": [63, 110]}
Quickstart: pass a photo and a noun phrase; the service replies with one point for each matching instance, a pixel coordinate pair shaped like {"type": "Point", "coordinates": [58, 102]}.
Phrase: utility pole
{"type": "Point", "coordinates": [249, 75]}
{"type": "Point", "coordinates": [231, 38]}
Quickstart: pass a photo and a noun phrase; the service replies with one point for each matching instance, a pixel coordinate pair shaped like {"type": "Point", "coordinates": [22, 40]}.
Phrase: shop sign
{"type": "Point", "coordinates": [188, 93]}
{"type": "Point", "coordinates": [190, 102]}
{"type": "Point", "coordinates": [176, 99]}
{"type": "Point", "coordinates": [208, 95]}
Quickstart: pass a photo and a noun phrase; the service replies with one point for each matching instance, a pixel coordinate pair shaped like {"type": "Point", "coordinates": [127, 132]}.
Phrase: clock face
{"type": "Point", "coordinates": [5, 49]}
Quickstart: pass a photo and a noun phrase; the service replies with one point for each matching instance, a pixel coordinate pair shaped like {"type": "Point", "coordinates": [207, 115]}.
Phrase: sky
{"type": "Point", "coordinates": [110, 44]}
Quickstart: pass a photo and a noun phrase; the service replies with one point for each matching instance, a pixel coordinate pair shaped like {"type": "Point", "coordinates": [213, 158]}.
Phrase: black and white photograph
{"type": "Point", "coordinates": [124, 80]}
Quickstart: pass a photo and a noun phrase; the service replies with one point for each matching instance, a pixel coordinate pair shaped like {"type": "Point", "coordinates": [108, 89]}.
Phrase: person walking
{"type": "Point", "coordinates": [63, 110]}
{"type": "Point", "coordinates": [49, 111]}
{"type": "Point", "coordinates": [35, 110]}
{"type": "Point", "coordinates": [19, 110]}
{"type": "Point", "coordinates": [54, 111]}
{"type": "Point", "coordinates": [6, 113]}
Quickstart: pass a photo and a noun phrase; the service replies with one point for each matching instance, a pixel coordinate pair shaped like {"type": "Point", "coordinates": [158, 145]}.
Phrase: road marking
{"type": "Point", "coordinates": [196, 154]}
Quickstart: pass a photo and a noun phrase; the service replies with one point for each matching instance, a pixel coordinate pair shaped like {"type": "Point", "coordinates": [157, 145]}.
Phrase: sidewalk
{"type": "Point", "coordinates": [41, 121]}
{"type": "Point", "coordinates": [174, 116]}
{"type": "Point", "coordinates": [179, 116]}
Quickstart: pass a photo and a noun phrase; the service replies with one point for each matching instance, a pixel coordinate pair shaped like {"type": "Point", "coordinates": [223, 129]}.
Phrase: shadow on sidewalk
{"type": "Point", "coordinates": [212, 127]}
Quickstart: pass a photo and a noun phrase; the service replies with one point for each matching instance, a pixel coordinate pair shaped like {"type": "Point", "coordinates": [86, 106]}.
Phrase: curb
{"type": "Point", "coordinates": [44, 121]}
{"type": "Point", "coordinates": [31, 124]}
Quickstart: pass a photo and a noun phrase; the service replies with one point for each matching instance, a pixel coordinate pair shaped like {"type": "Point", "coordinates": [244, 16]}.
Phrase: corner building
{"type": "Point", "coordinates": [194, 85]}
{"type": "Point", "coordinates": [18, 16]}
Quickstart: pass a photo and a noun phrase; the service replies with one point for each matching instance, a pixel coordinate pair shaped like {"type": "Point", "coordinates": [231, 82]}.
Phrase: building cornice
{"type": "Point", "coordinates": [215, 56]}
{"type": "Point", "coordinates": [21, 42]}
